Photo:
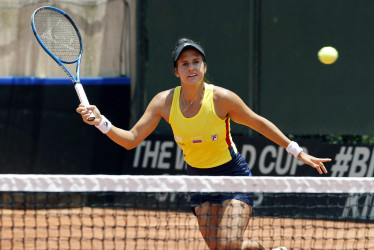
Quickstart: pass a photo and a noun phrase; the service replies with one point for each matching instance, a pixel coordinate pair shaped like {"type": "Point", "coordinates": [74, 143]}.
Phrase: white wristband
{"type": "Point", "coordinates": [294, 149]}
{"type": "Point", "coordinates": [105, 125]}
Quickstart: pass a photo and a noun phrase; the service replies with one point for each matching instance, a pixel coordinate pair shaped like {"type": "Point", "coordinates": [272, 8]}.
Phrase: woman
{"type": "Point", "coordinates": [200, 114]}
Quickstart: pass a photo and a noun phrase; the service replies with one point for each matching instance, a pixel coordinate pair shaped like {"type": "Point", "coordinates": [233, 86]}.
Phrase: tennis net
{"type": "Point", "coordinates": [153, 212]}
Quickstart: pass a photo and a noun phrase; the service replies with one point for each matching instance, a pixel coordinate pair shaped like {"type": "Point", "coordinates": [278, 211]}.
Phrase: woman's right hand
{"type": "Point", "coordinates": [85, 112]}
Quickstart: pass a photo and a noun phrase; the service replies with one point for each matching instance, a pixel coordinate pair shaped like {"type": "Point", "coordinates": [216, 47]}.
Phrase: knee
{"type": "Point", "coordinates": [242, 245]}
{"type": "Point", "coordinates": [251, 245]}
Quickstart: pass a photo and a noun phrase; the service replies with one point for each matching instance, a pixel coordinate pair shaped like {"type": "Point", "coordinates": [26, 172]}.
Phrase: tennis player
{"type": "Point", "coordinates": [200, 114]}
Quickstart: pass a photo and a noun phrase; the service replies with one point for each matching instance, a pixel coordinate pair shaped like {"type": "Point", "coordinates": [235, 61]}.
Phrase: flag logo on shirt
{"type": "Point", "coordinates": [196, 140]}
{"type": "Point", "coordinates": [214, 137]}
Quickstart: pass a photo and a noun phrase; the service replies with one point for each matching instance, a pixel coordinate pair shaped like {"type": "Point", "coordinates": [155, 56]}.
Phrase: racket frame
{"type": "Point", "coordinates": [76, 80]}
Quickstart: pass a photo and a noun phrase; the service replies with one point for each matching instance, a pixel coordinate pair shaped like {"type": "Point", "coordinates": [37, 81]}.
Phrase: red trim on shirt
{"type": "Point", "coordinates": [228, 141]}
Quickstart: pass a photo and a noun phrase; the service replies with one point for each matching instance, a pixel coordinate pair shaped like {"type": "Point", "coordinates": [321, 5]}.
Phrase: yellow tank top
{"type": "Point", "coordinates": [205, 138]}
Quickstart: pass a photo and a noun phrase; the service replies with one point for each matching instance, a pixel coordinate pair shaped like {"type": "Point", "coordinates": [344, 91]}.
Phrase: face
{"type": "Point", "coordinates": [190, 66]}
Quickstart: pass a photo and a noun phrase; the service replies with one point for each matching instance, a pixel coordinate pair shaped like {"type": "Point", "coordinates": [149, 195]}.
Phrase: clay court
{"type": "Point", "coordinates": [97, 228]}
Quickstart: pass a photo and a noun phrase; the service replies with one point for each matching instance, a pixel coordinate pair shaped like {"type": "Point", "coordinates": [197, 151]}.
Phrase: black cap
{"type": "Point", "coordinates": [185, 45]}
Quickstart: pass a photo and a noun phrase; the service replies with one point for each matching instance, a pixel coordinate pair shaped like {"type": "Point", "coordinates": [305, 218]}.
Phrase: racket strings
{"type": "Point", "coordinates": [58, 34]}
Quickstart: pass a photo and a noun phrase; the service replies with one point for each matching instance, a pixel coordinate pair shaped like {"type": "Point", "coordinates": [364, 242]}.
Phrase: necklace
{"type": "Point", "coordinates": [189, 104]}
{"type": "Point", "coordinates": [185, 105]}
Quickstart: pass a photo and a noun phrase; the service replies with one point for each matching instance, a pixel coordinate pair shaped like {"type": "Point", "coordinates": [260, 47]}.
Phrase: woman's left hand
{"type": "Point", "coordinates": [316, 163]}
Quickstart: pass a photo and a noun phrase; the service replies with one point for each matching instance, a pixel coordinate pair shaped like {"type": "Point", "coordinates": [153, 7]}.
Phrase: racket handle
{"type": "Point", "coordinates": [83, 98]}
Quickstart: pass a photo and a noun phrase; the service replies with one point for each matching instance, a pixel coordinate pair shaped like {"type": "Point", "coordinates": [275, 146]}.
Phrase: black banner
{"type": "Point", "coordinates": [161, 155]}
{"type": "Point", "coordinates": [40, 132]}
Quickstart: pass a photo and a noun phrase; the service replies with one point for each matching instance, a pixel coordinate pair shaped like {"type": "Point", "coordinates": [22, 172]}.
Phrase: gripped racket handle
{"type": "Point", "coordinates": [83, 98]}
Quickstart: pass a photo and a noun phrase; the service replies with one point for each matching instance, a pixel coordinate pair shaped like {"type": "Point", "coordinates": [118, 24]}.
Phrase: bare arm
{"type": "Point", "coordinates": [229, 104]}
{"type": "Point", "coordinates": [144, 127]}
{"type": "Point", "coordinates": [157, 108]}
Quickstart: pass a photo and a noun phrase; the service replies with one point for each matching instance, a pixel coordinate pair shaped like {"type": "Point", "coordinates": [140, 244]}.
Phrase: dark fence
{"type": "Point", "coordinates": [266, 51]}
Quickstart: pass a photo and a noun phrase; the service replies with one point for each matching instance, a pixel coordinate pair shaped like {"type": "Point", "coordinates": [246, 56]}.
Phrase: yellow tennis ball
{"type": "Point", "coordinates": [328, 55]}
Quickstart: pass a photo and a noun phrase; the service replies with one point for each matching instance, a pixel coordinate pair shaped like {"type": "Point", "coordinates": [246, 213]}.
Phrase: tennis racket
{"type": "Point", "coordinates": [59, 36]}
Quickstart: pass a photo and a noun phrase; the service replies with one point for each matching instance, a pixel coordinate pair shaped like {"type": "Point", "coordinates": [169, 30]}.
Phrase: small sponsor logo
{"type": "Point", "coordinates": [214, 137]}
{"type": "Point", "coordinates": [177, 138]}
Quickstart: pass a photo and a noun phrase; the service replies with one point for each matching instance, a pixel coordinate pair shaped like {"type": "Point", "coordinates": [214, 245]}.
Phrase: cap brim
{"type": "Point", "coordinates": [184, 46]}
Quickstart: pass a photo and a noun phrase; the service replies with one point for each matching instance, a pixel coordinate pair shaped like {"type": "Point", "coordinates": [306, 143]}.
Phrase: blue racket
{"type": "Point", "coordinates": [59, 36]}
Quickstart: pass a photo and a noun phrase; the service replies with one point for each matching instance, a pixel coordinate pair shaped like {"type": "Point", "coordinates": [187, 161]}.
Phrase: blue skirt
{"type": "Point", "coordinates": [236, 167]}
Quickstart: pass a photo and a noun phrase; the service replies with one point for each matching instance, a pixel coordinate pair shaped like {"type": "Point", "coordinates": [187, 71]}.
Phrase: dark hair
{"type": "Point", "coordinates": [184, 43]}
